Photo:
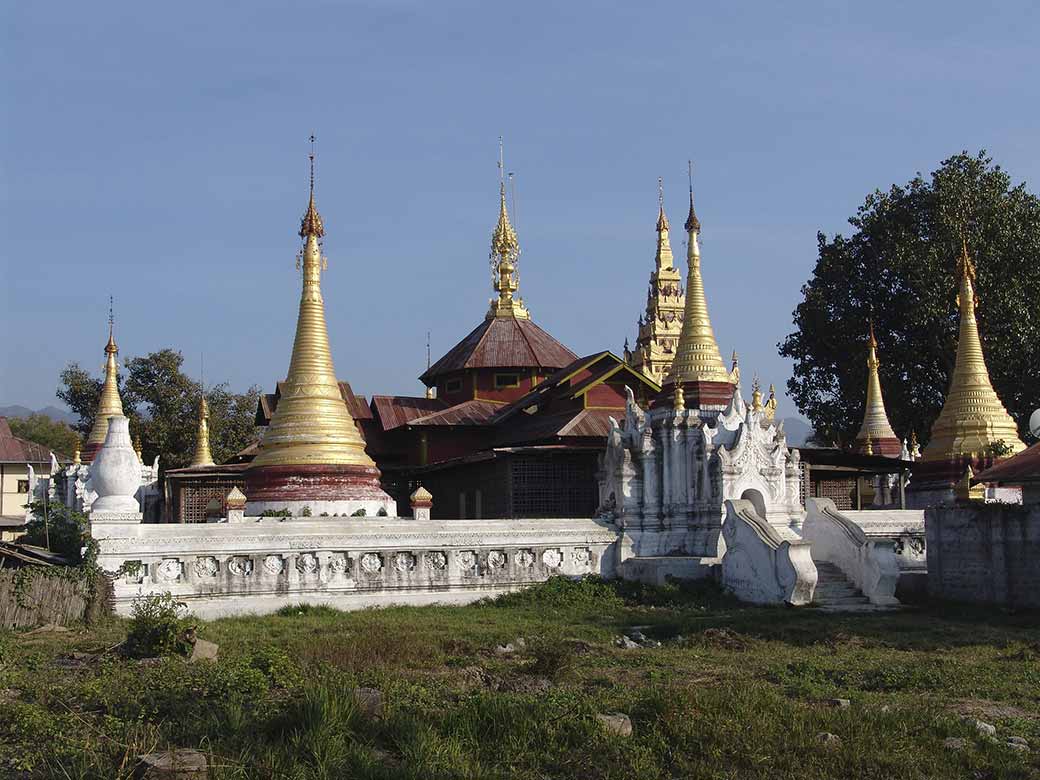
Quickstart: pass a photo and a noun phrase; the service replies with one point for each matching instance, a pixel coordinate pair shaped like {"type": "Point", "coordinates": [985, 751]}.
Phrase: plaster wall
{"type": "Point", "coordinates": [986, 554]}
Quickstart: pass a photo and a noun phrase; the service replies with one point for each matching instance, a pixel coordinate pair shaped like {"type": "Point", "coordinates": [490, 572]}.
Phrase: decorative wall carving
{"type": "Point", "coordinates": [206, 566]}
{"type": "Point", "coordinates": [273, 564]}
{"type": "Point", "coordinates": [467, 560]}
{"type": "Point", "coordinates": [371, 563]}
{"type": "Point", "coordinates": [525, 559]}
{"type": "Point", "coordinates": [404, 562]}
{"type": "Point", "coordinates": [240, 566]}
{"type": "Point", "coordinates": [496, 559]}
{"type": "Point", "coordinates": [437, 561]}
{"type": "Point", "coordinates": [169, 570]}
{"type": "Point", "coordinates": [552, 558]}
{"type": "Point", "coordinates": [307, 563]}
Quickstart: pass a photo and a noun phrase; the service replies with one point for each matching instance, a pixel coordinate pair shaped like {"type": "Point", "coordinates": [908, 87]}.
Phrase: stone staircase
{"type": "Point", "coordinates": [834, 592]}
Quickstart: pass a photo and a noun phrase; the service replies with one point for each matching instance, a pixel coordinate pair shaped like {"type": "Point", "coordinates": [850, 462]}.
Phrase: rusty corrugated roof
{"type": "Point", "coordinates": [394, 411]}
{"type": "Point", "coordinates": [474, 412]}
{"type": "Point", "coordinates": [587, 423]}
{"type": "Point", "coordinates": [502, 342]}
{"type": "Point", "coordinates": [16, 450]}
{"type": "Point", "coordinates": [1023, 467]}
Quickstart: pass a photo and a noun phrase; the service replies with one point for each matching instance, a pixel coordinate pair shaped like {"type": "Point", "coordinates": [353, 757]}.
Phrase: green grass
{"type": "Point", "coordinates": [733, 692]}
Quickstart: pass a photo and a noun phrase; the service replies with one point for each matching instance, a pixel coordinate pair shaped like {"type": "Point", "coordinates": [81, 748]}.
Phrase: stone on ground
{"type": "Point", "coordinates": [369, 701]}
{"type": "Point", "coordinates": [828, 740]}
{"type": "Point", "coordinates": [203, 651]}
{"type": "Point", "coordinates": [49, 628]}
{"type": "Point", "coordinates": [616, 723]}
{"type": "Point", "coordinates": [181, 764]}
{"type": "Point", "coordinates": [986, 729]}
{"type": "Point", "coordinates": [840, 703]}
{"type": "Point", "coordinates": [626, 643]}
{"type": "Point", "coordinates": [955, 743]}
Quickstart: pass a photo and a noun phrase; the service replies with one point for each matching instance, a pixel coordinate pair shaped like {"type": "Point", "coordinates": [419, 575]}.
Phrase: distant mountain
{"type": "Point", "coordinates": [16, 410]}
{"type": "Point", "coordinates": [797, 430]}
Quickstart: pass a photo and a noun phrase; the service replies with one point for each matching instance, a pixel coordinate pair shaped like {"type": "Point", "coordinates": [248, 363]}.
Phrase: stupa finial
{"type": "Point", "coordinates": [693, 225]}
{"type": "Point", "coordinates": [110, 404]}
{"type": "Point", "coordinates": [311, 225]}
{"type": "Point", "coordinates": [505, 253]}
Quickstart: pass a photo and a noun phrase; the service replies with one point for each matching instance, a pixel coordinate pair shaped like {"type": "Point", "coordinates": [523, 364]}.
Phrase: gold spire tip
{"type": "Point", "coordinates": [693, 225]}
{"type": "Point", "coordinates": [311, 224]}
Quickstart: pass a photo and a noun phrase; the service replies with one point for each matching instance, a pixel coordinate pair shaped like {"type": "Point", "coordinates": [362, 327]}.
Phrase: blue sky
{"type": "Point", "coordinates": [157, 152]}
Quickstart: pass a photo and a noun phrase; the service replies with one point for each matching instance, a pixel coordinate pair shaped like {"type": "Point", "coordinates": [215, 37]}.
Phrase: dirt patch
{"type": "Point", "coordinates": [992, 710]}
{"type": "Point", "coordinates": [726, 639]}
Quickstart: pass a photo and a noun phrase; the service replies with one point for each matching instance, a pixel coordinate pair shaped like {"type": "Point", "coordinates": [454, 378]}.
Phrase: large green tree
{"type": "Point", "coordinates": [53, 434]}
{"type": "Point", "coordinates": [898, 268]}
{"type": "Point", "coordinates": [162, 403]}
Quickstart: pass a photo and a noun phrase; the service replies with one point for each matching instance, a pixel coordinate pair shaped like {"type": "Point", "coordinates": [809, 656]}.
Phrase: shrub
{"type": "Point", "coordinates": [588, 592]}
{"type": "Point", "coordinates": [66, 528]}
{"type": "Point", "coordinates": [360, 513]}
{"type": "Point", "coordinates": [278, 513]}
{"type": "Point", "coordinates": [382, 512]}
{"type": "Point", "coordinates": [305, 512]}
{"type": "Point", "coordinates": [550, 657]}
{"type": "Point", "coordinates": [159, 625]}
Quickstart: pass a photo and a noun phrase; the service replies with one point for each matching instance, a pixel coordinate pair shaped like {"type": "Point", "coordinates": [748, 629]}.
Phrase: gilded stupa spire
{"type": "Point", "coordinates": [876, 426]}
{"type": "Point", "coordinates": [664, 257]}
{"type": "Point", "coordinates": [110, 404]}
{"type": "Point", "coordinates": [693, 225]}
{"type": "Point", "coordinates": [202, 456]}
{"type": "Point", "coordinates": [972, 419]}
{"type": "Point", "coordinates": [505, 252]}
{"type": "Point", "coordinates": [311, 425]}
{"type": "Point", "coordinates": [697, 357]}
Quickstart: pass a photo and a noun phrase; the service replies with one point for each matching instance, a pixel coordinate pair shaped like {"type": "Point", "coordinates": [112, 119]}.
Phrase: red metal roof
{"type": "Point", "coordinates": [394, 411]}
{"type": "Point", "coordinates": [474, 412]}
{"type": "Point", "coordinates": [587, 423]}
{"type": "Point", "coordinates": [502, 342]}
{"type": "Point", "coordinates": [15, 450]}
{"type": "Point", "coordinates": [1023, 467]}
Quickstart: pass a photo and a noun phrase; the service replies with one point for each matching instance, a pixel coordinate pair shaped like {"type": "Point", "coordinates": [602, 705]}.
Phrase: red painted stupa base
{"type": "Point", "coordinates": [313, 483]}
{"type": "Point", "coordinates": [935, 473]}
{"type": "Point", "coordinates": [696, 395]}
{"type": "Point", "coordinates": [886, 448]}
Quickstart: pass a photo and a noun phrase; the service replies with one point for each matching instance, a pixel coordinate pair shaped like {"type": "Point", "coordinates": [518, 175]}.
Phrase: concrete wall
{"type": "Point", "coordinates": [986, 554]}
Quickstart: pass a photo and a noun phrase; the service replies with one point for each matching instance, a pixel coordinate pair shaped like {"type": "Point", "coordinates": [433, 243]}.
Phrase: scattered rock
{"type": "Point", "coordinates": [616, 723]}
{"type": "Point", "coordinates": [885, 709]}
{"type": "Point", "coordinates": [181, 764]}
{"type": "Point", "coordinates": [48, 628]}
{"type": "Point", "coordinates": [986, 729]}
{"type": "Point", "coordinates": [524, 684]}
{"type": "Point", "coordinates": [626, 643]}
{"type": "Point", "coordinates": [651, 643]}
{"type": "Point", "coordinates": [1018, 743]}
{"type": "Point", "coordinates": [149, 662]}
{"type": "Point", "coordinates": [638, 636]}
{"type": "Point", "coordinates": [507, 649]}
{"type": "Point", "coordinates": [475, 675]}
{"type": "Point", "coordinates": [370, 702]}
{"type": "Point", "coordinates": [828, 740]}
{"type": "Point", "coordinates": [519, 643]}
{"type": "Point", "coordinates": [840, 704]}
{"type": "Point", "coordinates": [203, 651]}
{"type": "Point", "coordinates": [955, 743]}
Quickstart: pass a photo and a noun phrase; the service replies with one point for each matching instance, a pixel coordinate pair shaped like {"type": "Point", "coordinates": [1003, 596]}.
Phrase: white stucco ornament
{"type": "Point", "coordinates": [115, 473]}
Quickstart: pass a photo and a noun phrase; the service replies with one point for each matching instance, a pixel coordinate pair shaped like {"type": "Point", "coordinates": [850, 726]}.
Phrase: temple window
{"type": "Point", "coordinates": [507, 380]}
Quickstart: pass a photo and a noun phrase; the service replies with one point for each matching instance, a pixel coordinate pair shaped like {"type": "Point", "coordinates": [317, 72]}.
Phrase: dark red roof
{"type": "Point", "coordinates": [473, 412]}
{"type": "Point", "coordinates": [15, 450]}
{"type": "Point", "coordinates": [1023, 467]}
{"type": "Point", "coordinates": [587, 423]}
{"type": "Point", "coordinates": [502, 342]}
{"type": "Point", "coordinates": [357, 405]}
{"type": "Point", "coordinates": [394, 411]}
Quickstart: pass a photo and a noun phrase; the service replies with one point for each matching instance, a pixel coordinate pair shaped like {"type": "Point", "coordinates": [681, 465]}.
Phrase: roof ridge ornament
{"type": "Point", "coordinates": [504, 256]}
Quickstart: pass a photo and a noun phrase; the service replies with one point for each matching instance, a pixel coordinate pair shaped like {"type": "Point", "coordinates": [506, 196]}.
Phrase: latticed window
{"type": "Point", "coordinates": [194, 498]}
{"type": "Point", "coordinates": [554, 486]}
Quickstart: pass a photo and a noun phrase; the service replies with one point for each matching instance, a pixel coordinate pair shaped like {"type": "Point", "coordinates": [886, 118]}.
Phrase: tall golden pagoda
{"type": "Point", "coordinates": [972, 420]}
{"type": "Point", "coordinates": [660, 326]}
{"type": "Point", "coordinates": [876, 428]}
{"type": "Point", "coordinates": [312, 451]}
{"type": "Point", "coordinates": [698, 365]}
{"type": "Point", "coordinates": [110, 404]}
{"type": "Point", "coordinates": [202, 455]}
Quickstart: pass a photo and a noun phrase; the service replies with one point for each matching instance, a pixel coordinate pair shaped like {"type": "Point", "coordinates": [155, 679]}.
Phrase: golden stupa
{"type": "Point", "coordinates": [110, 404]}
{"type": "Point", "coordinates": [697, 358]}
{"type": "Point", "coordinates": [311, 425]}
{"type": "Point", "coordinates": [202, 455]}
{"type": "Point", "coordinates": [876, 428]}
{"type": "Point", "coordinates": [972, 419]}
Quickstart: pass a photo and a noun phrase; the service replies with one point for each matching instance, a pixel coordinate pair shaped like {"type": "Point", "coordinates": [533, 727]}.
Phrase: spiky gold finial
{"type": "Point", "coordinates": [693, 225]}
{"type": "Point", "coordinates": [311, 224]}
{"type": "Point", "coordinates": [138, 449]}
{"type": "Point", "coordinates": [505, 254]}
{"type": "Point", "coordinates": [771, 403]}
{"type": "Point", "coordinates": [664, 258]}
{"type": "Point", "coordinates": [868, 446]}
{"type": "Point", "coordinates": [756, 395]}
{"type": "Point", "coordinates": [973, 418]}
